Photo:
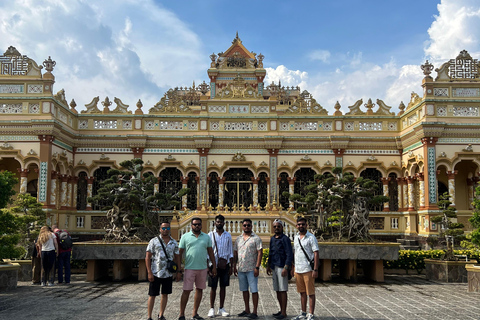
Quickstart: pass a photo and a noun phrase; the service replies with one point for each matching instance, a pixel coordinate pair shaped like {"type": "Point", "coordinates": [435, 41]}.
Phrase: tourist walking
{"type": "Point", "coordinates": [223, 251]}
{"type": "Point", "coordinates": [64, 241]}
{"type": "Point", "coordinates": [48, 250]}
{"type": "Point", "coordinates": [280, 260]}
{"type": "Point", "coordinates": [306, 254]}
{"type": "Point", "coordinates": [196, 245]}
{"type": "Point", "coordinates": [160, 250]}
{"type": "Point", "coordinates": [36, 264]}
{"type": "Point", "coordinates": [248, 252]}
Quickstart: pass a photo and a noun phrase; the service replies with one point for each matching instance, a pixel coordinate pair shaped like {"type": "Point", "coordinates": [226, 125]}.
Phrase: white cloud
{"type": "Point", "coordinates": [322, 55]}
{"type": "Point", "coordinates": [454, 29]}
{"type": "Point", "coordinates": [286, 77]}
{"type": "Point", "coordinates": [128, 49]}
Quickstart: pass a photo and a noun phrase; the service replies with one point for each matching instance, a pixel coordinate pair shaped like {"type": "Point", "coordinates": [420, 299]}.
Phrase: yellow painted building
{"type": "Point", "coordinates": [239, 143]}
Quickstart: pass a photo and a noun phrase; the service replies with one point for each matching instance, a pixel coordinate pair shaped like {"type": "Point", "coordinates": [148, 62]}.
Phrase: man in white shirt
{"type": "Point", "coordinates": [306, 252]}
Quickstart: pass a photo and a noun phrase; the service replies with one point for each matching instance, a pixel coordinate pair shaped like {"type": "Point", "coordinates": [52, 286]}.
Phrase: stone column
{"type": "Point", "coordinates": [199, 194]}
{"type": "Point", "coordinates": [23, 179]}
{"type": "Point", "coordinates": [69, 192]}
{"type": "Point", "coordinates": [255, 192]}
{"type": "Point", "coordinates": [421, 191]}
{"type": "Point", "coordinates": [291, 189]}
{"type": "Point", "coordinates": [451, 186]}
{"type": "Point", "coordinates": [44, 178]}
{"type": "Point", "coordinates": [429, 176]}
{"type": "Point", "coordinates": [184, 198]}
{"type": "Point", "coordinates": [63, 191]}
{"type": "Point", "coordinates": [89, 191]}
{"type": "Point", "coordinates": [53, 189]}
{"type": "Point", "coordinates": [221, 185]}
{"type": "Point", "coordinates": [400, 194]}
{"type": "Point", "coordinates": [273, 185]}
{"type": "Point", "coordinates": [339, 157]}
{"type": "Point", "coordinates": [471, 192]}
{"type": "Point", "coordinates": [74, 192]}
{"type": "Point", "coordinates": [411, 194]}
{"type": "Point", "coordinates": [385, 193]}
{"type": "Point", "coordinates": [202, 182]}
{"type": "Point", "coordinates": [405, 194]}
{"type": "Point", "coordinates": [156, 187]}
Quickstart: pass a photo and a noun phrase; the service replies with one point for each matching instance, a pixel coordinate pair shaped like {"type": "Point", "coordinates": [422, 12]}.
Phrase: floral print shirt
{"type": "Point", "coordinates": [159, 260]}
{"type": "Point", "coordinates": [247, 251]}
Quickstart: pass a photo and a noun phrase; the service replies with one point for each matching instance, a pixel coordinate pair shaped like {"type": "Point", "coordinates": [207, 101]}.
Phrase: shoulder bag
{"type": "Point", "coordinates": [222, 263]}
{"type": "Point", "coordinates": [171, 265]}
{"type": "Point", "coordinates": [312, 262]}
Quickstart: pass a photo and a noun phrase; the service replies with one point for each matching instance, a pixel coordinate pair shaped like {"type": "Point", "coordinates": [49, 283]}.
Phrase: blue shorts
{"type": "Point", "coordinates": [246, 280]}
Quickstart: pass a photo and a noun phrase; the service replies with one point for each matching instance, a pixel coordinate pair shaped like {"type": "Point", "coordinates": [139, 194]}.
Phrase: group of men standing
{"type": "Point", "coordinates": [216, 257]}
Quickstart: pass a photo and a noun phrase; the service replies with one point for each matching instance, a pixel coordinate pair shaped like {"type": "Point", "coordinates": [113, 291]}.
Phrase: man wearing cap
{"type": "Point", "coordinates": [280, 260]}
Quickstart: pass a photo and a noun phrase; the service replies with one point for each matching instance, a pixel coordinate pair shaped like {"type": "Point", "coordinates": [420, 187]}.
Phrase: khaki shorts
{"type": "Point", "coordinates": [305, 283]}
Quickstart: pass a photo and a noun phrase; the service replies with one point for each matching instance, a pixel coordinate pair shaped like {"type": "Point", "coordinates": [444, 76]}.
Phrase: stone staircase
{"type": "Point", "coordinates": [409, 244]}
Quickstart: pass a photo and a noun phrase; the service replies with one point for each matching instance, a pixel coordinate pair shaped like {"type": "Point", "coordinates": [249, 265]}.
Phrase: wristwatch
{"type": "Point", "coordinates": [286, 267]}
{"type": "Point", "coordinates": [258, 268]}
{"type": "Point", "coordinates": [315, 270]}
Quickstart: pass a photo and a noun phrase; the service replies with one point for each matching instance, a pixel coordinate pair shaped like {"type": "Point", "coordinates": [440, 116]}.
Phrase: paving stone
{"type": "Point", "coordinates": [400, 297]}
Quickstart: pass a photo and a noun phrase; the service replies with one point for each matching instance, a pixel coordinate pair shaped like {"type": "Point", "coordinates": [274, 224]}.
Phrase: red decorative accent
{"type": "Point", "coordinates": [338, 152]}
{"type": "Point", "coordinates": [23, 172]}
{"type": "Point", "coordinates": [273, 152]}
{"type": "Point", "coordinates": [429, 141]}
{"type": "Point", "coordinates": [291, 180]}
{"type": "Point", "coordinates": [203, 151]}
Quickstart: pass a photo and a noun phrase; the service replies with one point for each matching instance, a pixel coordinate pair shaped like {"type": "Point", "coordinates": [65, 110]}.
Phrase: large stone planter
{"type": "Point", "coordinates": [8, 276]}
{"type": "Point", "coordinates": [98, 254]}
{"type": "Point", "coordinates": [473, 274]}
{"type": "Point", "coordinates": [447, 271]}
{"type": "Point", "coordinates": [25, 270]}
{"type": "Point", "coordinates": [349, 253]}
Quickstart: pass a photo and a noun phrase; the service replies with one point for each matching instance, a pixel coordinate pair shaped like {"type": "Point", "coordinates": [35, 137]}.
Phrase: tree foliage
{"type": "Point", "coordinates": [7, 182]}
{"type": "Point", "coordinates": [134, 209]}
{"type": "Point", "coordinates": [337, 205]}
{"type": "Point", "coordinates": [474, 237]}
{"type": "Point", "coordinates": [448, 228]}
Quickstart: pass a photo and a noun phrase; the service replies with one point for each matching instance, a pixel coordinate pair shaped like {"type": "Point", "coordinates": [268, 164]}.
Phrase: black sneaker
{"type": "Point", "coordinates": [181, 318]}
{"type": "Point", "coordinates": [252, 316]}
{"type": "Point", "coordinates": [277, 314]}
{"type": "Point", "coordinates": [197, 317]}
{"type": "Point", "coordinates": [243, 314]}
{"type": "Point", "coordinates": [161, 318]}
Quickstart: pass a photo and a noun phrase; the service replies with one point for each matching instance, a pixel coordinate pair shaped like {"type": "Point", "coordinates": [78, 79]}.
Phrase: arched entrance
{"type": "Point", "coordinates": [238, 187]}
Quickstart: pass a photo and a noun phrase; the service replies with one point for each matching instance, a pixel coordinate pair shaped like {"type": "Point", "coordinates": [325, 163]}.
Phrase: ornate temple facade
{"type": "Point", "coordinates": [239, 144]}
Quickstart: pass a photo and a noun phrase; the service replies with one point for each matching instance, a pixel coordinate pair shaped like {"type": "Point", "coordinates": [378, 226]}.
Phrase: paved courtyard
{"type": "Point", "coordinates": [400, 297]}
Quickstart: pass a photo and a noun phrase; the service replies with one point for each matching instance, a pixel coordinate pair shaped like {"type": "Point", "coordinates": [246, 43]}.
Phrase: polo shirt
{"type": "Point", "coordinates": [195, 250]}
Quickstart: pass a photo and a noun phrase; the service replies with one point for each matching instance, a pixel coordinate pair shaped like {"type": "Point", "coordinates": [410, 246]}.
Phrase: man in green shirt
{"type": "Point", "coordinates": [196, 245]}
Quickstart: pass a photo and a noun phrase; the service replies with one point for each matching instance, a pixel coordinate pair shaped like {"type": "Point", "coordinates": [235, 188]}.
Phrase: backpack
{"type": "Point", "coordinates": [64, 240]}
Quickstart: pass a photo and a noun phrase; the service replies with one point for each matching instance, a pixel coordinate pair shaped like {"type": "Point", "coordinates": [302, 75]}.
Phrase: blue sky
{"type": "Point", "coordinates": [339, 50]}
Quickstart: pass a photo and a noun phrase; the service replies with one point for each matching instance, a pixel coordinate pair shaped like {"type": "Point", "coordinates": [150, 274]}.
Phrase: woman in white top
{"type": "Point", "coordinates": [47, 245]}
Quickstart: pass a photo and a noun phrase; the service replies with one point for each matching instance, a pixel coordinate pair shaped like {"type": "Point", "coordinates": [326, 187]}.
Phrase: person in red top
{"type": "Point", "coordinates": [63, 258]}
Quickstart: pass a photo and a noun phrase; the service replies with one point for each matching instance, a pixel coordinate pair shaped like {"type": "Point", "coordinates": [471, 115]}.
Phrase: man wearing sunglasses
{"type": "Point", "coordinates": [223, 250]}
{"type": "Point", "coordinates": [280, 260]}
{"type": "Point", "coordinates": [306, 251]}
{"type": "Point", "coordinates": [248, 252]}
{"type": "Point", "coordinates": [196, 245]}
{"type": "Point", "coordinates": [158, 274]}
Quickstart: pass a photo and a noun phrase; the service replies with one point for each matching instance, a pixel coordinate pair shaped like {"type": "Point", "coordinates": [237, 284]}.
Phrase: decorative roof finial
{"type": "Point", "coordinates": [49, 64]}
{"type": "Point", "coordinates": [236, 38]}
{"type": "Point", "coordinates": [427, 69]}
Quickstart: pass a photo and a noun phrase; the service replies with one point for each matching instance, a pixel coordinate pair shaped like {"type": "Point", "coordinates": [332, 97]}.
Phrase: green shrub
{"type": "Point", "coordinates": [414, 259]}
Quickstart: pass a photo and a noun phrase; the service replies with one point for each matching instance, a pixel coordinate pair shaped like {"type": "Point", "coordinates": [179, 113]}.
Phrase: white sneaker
{"type": "Point", "coordinates": [310, 316]}
{"type": "Point", "coordinates": [223, 313]}
{"type": "Point", "coordinates": [211, 313]}
{"type": "Point", "coordinates": [301, 316]}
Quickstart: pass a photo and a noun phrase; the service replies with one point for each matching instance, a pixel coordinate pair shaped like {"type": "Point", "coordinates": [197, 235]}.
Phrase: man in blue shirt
{"type": "Point", "coordinates": [279, 263]}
